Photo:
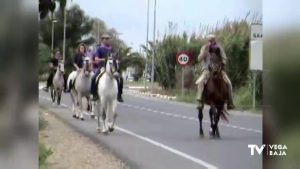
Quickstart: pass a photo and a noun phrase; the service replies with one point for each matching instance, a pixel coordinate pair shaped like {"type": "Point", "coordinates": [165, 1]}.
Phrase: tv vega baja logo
{"type": "Point", "coordinates": [272, 149]}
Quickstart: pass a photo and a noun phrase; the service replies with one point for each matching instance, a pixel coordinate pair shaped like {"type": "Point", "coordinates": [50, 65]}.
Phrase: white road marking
{"type": "Point", "coordinates": [192, 118]}
{"type": "Point", "coordinates": [167, 148]}
{"type": "Point", "coordinates": [160, 145]}
{"type": "Point", "coordinates": [182, 117]}
{"type": "Point", "coordinates": [187, 105]}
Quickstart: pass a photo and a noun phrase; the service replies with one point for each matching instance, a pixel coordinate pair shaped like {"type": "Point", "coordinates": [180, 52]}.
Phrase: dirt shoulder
{"type": "Point", "coordinates": [71, 150]}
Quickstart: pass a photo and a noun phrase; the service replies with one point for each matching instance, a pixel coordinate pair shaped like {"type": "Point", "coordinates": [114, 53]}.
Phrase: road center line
{"type": "Point", "coordinates": [190, 118]}
{"type": "Point", "coordinates": [153, 142]}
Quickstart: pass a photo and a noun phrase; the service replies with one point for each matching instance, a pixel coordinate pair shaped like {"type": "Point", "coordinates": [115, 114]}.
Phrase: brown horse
{"type": "Point", "coordinates": [215, 95]}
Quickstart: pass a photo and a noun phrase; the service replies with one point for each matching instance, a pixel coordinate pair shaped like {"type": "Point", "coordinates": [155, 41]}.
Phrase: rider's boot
{"type": "Point", "coordinates": [120, 85]}
{"type": "Point", "coordinates": [95, 97]}
{"type": "Point", "coordinates": [66, 90]}
{"type": "Point", "coordinates": [119, 98]}
{"type": "Point", "coordinates": [94, 90]}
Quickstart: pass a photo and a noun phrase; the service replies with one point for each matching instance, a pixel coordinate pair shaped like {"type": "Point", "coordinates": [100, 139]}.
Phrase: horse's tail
{"type": "Point", "coordinates": [223, 114]}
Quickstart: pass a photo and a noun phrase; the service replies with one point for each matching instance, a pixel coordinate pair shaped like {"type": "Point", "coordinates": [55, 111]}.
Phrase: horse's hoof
{"type": "Point", "coordinates": [98, 130]}
{"type": "Point", "coordinates": [201, 135]}
{"type": "Point", "coordinates": [93, 116]}
{"type": "Point", "coordinates": [74, 116]}
{"type": "Point", "coordinates": [105, 132]}
{"type": "Point", "coordinates": [82, 119]}
{"type": "Point", "coordinates": [111, 129]}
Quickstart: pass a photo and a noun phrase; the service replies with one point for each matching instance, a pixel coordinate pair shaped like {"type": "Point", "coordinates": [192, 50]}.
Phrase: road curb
{"type": "Point", "coordinates": [157, 95]}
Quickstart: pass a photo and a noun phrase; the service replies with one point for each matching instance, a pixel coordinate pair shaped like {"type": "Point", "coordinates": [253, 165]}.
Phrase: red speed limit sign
{"type": "Point", "coordinates": [183, 58]}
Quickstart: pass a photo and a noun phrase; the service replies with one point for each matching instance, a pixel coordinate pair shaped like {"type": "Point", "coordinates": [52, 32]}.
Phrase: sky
{"type": "Point", "coordinates": [129, 17]}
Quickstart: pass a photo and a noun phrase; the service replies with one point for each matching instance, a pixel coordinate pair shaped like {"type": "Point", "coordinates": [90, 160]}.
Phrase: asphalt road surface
{"type": "Point", "coordinates": [158, 134]}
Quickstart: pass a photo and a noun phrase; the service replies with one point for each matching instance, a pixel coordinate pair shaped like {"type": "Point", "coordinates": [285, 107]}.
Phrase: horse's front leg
{"type": "Point", "coordinates": [217, 119]}
{"type": "Point", "coordinates": [73, 102]}
{"type": "Point", "coordinates": [200, 117]}
{"type": "Point", "coordinates": [90, 108]}
{"type": "Point", "coordinates": [80, 107]}
{"type": "Point", "coordinates": [97, 108]}
{"type": "Point", "coordinates": [114, 115]}
{"type": "Point", "coordinates": [59, 91]}
{"type": "Point", "coordinates": [211, 116]}
{"type": "Point", "coordinates": [104, 120]}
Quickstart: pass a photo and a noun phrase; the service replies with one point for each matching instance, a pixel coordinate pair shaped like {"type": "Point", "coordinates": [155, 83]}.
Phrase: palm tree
{"type": "Point", "coordinates": [46, 6]}
{"type": "Point", "coordinates": [132, 59]}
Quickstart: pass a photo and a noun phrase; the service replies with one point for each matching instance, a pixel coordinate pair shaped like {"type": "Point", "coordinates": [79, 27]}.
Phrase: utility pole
{"type": "Point", "coordinates": [52, 34]}
{"type": "Point", "coordinates": [154, 48]}
{"type": "Point", "coordinates": [64, 39]}
{"type": "Point", "coordinates": [147, 47]}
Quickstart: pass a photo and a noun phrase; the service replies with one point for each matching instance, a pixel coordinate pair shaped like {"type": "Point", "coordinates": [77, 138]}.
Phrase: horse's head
{"type": "Point", "coordinates": [86, 67]}
{"type": "Point", "coordinates": [216, 65]}
{"type": "Point", "coordinates": [60, 68]}
{"type": "Point", "coordinates": [111, 64]}
{"type": "Point", "coordinates": [216, 71]}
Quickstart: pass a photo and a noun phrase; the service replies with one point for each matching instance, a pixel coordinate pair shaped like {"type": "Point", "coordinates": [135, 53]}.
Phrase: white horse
{"type": "Point", "coordinates": [81, 89]}
{"type": "Point", "coordinates": [107, 91]}
{"type": "Point", "coordinates": [57, 85]}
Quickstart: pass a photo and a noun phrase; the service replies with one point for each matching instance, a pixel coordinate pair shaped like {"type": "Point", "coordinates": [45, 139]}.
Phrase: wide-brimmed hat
{"type": "Point", "coordinates": [210, 36]}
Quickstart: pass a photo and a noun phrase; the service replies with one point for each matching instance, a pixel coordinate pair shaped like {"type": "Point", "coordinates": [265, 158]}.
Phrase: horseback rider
{"type": "Point", "coordinates": [53, 64]}
{"type": "Point", "coordinates": [204, 57]}
{"type": "Point", "coordinates": [98, 63]}
{"type": "Point", "coordinates": [78, 61]}
{"type": "Point", "coordinates": [79, 57]}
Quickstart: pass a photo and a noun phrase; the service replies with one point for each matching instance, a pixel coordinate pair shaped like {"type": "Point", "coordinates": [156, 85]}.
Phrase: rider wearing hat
{"type": "Point", "coordinates": [102, 52]}
{"type": "Point", "coordinates": [211, 46]}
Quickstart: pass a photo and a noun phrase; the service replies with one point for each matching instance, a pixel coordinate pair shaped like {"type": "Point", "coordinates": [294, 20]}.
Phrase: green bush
{"type": "Point", "coordinates": [233, 36]}
{"type": "Point", "coordinates": [44, 153]}
{"type": "Point", "coordinates": [42, 123]}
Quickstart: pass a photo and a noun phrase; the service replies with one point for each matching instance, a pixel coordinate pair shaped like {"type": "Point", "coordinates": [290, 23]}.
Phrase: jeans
{"type": "Point", "coordinates": [50, 78]}
{"type": "Point", "coordinates": [93, 85]}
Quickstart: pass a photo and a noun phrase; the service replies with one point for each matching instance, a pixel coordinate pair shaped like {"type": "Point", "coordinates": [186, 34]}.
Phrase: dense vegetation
{"type": "Point", "coordinates": [233, 35]}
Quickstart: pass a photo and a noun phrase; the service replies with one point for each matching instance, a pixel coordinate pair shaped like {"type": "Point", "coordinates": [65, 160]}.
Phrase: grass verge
{"type": "Point", "coordinates": [44, 152]}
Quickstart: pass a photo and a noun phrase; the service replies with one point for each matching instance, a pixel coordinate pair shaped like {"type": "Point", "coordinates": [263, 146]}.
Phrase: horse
{"type": "Point", "coordinates": [57, 85]}
{"type": "Point", "coordinates": [107, 91]}
{"type": "Point", "coordinates": [215, 95]}
{"type": "Point", "coordinates": [81, 89]}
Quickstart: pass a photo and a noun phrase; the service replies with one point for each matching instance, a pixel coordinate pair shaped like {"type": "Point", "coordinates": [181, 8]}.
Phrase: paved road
{"type": "Point", "coordinates": [160, 134]}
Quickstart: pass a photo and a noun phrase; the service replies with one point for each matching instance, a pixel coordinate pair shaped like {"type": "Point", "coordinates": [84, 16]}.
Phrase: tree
{"type": "Point", "coordinates": [46, 6]}
{"type": "Point", "coordinates": [132, 59]}
{"type": "Point", "coordinates": [78, 26]}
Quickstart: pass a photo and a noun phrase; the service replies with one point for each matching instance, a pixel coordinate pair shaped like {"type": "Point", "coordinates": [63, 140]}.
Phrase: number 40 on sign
{"type": "Point", "coordinates": [183, 58]}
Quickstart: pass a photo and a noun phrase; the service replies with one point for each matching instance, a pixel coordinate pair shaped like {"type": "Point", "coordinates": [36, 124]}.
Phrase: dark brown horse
{"type": "Point", "coordinates": [215, 95]}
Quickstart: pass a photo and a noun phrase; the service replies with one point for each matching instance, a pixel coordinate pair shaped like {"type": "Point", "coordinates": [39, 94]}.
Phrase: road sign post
{"type": "Point", "coordinates": [256, 55]}
{"type": "Point", "coordinates": [183, 59]}
{"type": "Point", "coordinates": [182, 82]}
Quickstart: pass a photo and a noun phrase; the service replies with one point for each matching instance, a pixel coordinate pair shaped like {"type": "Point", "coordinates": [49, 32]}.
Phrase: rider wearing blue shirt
{"type": "Point", "coordinates": [102, 52]}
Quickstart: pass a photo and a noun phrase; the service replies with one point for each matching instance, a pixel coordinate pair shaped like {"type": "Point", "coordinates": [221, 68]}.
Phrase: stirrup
{"type": "Point", "coordinates": [95, 97]}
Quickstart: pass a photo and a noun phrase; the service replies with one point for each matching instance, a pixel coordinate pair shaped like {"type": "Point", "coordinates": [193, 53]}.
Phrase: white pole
{"type": "Point", "coordinates": [64, 40]}
{"type": "Point", "coordinates": [182, 82]}
{"type": "Point", "coordinates": [254, 87]}
{"type": "Point", "coordinates": [147, 39]}
{"type": "Point", "coordinates": [98, 36]}
{"type": "Point", "coordinates": [52, 35]}
{"type": "Point", "coordinates": [154, 46]}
